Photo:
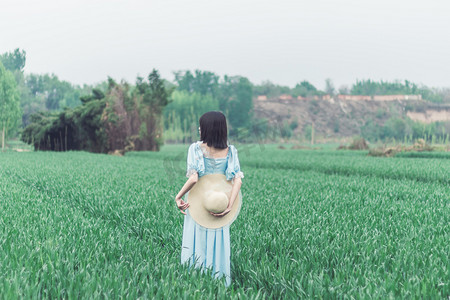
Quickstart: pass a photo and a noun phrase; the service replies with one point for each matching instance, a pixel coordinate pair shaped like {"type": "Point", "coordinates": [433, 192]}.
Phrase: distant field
{"type": "Point", "coordinates": [17, 145]}
{"type": "Point", "coordinates": [314, 223]}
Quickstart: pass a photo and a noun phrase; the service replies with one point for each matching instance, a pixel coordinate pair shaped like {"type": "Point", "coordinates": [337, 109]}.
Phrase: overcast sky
{"type": "Point", "coordinates": [281, 41]}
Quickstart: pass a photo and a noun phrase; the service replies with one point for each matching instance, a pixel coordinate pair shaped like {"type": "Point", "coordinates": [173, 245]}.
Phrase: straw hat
{"type": "Point", "coordinates": [211, 194]}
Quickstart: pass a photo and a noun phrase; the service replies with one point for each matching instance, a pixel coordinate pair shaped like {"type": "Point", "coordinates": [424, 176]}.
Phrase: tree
{"type": "Point", "coordinates": [14, 61]}
{"type": "Point", "coordinates": [329, 87]}
{"type": "Point", "coordinates": [123, 118]}
{"type": "Point", "coordinates": [183, 112]}
{"type": "Point", "coordinates": [9, 102]}
{"type": "Point", "coordinates": [204, 89]}
{"type": "Point", "coordinates": [270, 89]}
{"type": "Point", "coordinates": [202, 82]}
{"type": "Point", "coordinates": [40, 92]}
{"type": "Point", "coordinates": [55, 93]}
{"type": "Point", "coordinates": [152, 99]}
{"type": "Point", "coordinates": [370, 87]}
{"type": "Point", "coordinates": [236, 102]}
{"type": "Point", "coordinates": [305, 89]}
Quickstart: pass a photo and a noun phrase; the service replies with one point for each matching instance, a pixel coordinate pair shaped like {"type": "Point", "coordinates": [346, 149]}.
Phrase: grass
{"type": "Point", "coordinates": [314, 223]}
{"type": "Point", "coordinates": [17, 145]}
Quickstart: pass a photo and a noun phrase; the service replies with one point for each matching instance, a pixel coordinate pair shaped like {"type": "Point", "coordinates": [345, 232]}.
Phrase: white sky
{"type": "Point", "coordinates": [282, 41]}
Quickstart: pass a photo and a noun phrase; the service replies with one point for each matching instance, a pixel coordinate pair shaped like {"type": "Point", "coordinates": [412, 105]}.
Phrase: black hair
{"type": "Point", "coordinates": [213, 129]}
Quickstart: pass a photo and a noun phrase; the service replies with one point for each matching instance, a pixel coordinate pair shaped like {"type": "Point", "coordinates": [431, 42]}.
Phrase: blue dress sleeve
{"type": "Point", "coordinates": [195, 162]}
{"type": "Point", "coordinates": [234, 168]}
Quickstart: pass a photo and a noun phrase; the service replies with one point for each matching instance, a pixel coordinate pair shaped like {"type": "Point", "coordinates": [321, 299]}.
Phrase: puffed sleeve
{"type": "Point", "coordinates": [234, 168]}
{"type": "Point", "coordinates": [195, 160]}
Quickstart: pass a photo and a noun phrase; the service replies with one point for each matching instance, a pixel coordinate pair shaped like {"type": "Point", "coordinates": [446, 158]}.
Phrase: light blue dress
{"type": "Point", "coordinates": [203, 247]}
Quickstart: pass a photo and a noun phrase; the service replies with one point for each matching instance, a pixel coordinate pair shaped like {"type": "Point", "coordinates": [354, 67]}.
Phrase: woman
{"type": "Point", "coordinates": [204, 247]}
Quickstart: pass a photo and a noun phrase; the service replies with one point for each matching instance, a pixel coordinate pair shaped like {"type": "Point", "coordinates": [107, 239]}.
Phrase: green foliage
{"type": "Point", "coordinates": [336, 126]}
{"type": "Point", "coordinates": [307, 131]}
{"type": "Point", "coordinates": [286, 130]}
{"type": "Point", "coordinates": [371, 131]}
{"type": "Point", "coordinates": [270, 89]}
{"type": "Point", "coordinates": [233, 95]}
{"type": "Point", "coordinates": [381, 113]}
{"type": "Point", "coordinates": [370, 87]}
{"type": "Point", "coordinates": [181, 115]}
{"type": "Point", "coordinates": [153, 92]}
{"type": "Point", "coordinates": [239, 102]}
{"type": "Point", "coordinates": [396, 128]}
{"type": "Point", "coordinates": [260, 131]}
{"type": "Point", "coordinates": [89, 120]}
{"type": "Point", "coordinates": [306, 89]}
{"type": "Point", "coordinates": [424, 154]}
{"type": "Point", "coordinates": [41, 92]}
{"type": "Point", "coordinates": [14, 61]}
{"type": "Point", "coordinates": [47, 93]}
{"type": "Point", "coordinates": [115, 120]}
{"type": "Point", "coordinates": [202, 82]}
{"type": "Point", "coordinates": [73, 129]}
{"type": "Point", "coordinates": [151, 99]}
{"type": "Point", "coordinates": [335, 225]}
{"type": "Point", "coordinates": [293, 125]}
{"type": "Point", "coordinates": [55, 93]}
{"type": "Point", "coordinates": [9, 104]}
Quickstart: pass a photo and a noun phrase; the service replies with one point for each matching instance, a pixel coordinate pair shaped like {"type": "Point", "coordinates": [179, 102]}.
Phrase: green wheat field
{"type": "Point", "coordinates": [314, 224]}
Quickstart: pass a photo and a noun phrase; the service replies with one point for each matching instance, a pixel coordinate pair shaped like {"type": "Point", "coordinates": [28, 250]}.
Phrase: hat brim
{"type": "Point", "coordinates": [206, 184]}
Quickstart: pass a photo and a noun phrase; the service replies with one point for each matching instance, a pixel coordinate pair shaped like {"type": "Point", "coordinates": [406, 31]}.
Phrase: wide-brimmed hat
{"type": "Point", "coordinates": [211, 193]}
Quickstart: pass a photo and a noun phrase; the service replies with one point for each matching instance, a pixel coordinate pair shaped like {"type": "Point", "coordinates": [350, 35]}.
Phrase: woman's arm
{"type": "Point", "coordinates": [186, 187]}
{"type": "Point", "coordinates": [237, 182]}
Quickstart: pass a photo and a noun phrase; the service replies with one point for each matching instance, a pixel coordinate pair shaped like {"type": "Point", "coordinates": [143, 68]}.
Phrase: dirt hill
{"type": "Point", "coordinates": [343, 118]}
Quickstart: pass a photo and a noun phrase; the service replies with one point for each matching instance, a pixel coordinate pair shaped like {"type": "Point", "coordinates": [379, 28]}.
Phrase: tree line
{"type": "Point", "coordinates": [53, 114]}
{"type": "Point", "coordinates": [202, 91]}
{"type": "Point", "coordinates": [405, 130]}
{"type": "Point", "coordinates": [124, 118]}
{"type": "Point", "coordinates": [360, 87]}
{"type": "Point", "coordinates": [41, 92]}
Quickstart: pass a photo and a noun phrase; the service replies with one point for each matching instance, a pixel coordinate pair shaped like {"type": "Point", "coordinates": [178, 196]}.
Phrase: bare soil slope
{"type": "Point", "coordinates": [338, 118]}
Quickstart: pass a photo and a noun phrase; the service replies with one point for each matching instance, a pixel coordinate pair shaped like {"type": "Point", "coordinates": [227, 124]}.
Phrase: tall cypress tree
{"type": "Point", "coordinates": [9, 103]}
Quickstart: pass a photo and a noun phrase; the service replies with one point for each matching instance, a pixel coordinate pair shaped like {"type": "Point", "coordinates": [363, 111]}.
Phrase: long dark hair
{"type": "Point", "coordinates": [213, 129]}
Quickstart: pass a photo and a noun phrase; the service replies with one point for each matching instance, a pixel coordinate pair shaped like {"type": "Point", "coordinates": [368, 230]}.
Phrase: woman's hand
{"type": "Point", "coordinates": [237, 182]}
{"type": "Point", "coordinates": [181, 205]}
{"type": "Point", "coordinates": [222, 213]}
{"type": "Point", "coordinates": [186, 187]}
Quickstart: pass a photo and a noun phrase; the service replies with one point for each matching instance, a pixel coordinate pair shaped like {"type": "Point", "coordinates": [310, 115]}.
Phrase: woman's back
{"type": "Point", "coordinates": [200, 162]}
{"type": "Point", "coordinates": [214, 165]}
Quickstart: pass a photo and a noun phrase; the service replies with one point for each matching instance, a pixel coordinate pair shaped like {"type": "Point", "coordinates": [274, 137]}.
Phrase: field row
{"type": "Point", "coordinates": [78, 225]}
{"type": "Point", "coordinates": [431, 169]}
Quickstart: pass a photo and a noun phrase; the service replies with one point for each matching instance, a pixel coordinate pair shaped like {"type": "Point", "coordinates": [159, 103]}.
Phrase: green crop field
{"type": "Point", "coordinates": [314, 224]}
